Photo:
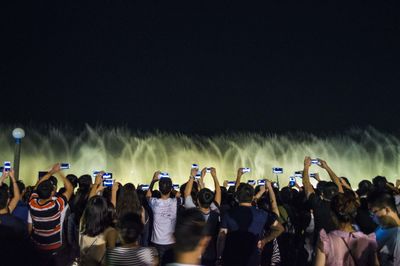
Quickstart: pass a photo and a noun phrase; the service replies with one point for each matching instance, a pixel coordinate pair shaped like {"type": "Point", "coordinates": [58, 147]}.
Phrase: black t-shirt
{"type": "Point", "coordinates": [15, 224]}
{"type": "Point", "coordinates": [212, 229]}
{"type": "Point", "coordinates": [246, 226]}
{"type": "Point", "coordinates": [322, 214]}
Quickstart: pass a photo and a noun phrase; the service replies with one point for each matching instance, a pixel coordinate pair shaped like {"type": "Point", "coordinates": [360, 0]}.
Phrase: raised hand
{"type": "Point", "coordinates": [307, 162]}
{"type": "Point", "coordinates": [323, 164]}
{"type": "Point", "coordinates": [156, 176]}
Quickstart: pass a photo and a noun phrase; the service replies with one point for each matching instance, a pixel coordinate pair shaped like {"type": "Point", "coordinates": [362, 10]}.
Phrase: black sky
{"type": "Point", "coordinates": [202, 67]}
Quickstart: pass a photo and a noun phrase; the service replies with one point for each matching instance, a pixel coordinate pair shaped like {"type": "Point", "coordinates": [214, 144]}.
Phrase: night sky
{"type": "Point", "coordinates": [202, 67]}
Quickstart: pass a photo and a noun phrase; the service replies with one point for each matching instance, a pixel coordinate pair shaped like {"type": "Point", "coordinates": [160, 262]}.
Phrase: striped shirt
{"type": "Point", "coordinates": [47, 220]}
{"type": "Point", "coordinates": [122, 256]}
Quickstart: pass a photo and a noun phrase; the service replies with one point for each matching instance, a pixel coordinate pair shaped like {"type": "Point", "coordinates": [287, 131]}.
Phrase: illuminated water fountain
{"type": "Point", "coordinates": [132, 157]}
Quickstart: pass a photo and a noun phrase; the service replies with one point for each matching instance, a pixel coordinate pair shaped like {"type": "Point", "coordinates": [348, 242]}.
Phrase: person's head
{"type": "Point", "coordinates": [128, 200]}
{"type": "Point", "coordinates": [45, 190]}
{"type": "Point", "coordinates": [190, 234]}
{"type": "Point", "coordinates": [329, 190]}
{"type": "Point", "coordinates": [73, 179]}
{"type": "Point", "coordinates": [205, 197]}
{"type": "Point", "coordinates": [379, 183]}
{"type": "Point", "coordinates": [4, 197]}
{"type": "Point", "coordinates": [344, 206]}
{"type": "Point", "coordinates": [165, 186]}
{"type": "Point", "coordinates": [345, 179]}
{"type": "Point", "coordinates": [130, 227]}
{"type": "Point", "coordinates": [245, 193]}
{"type": "Point", "coordinates": [364, 187]}
{"type": "Point", "coordinates": [96, 217]}
{"type": "Point", "coordinates": [85, 181]}
{"type": "Point", "coordinates": [383, 207]}
{"type": "Point", "coordinates": [286, 195]}
{"type": "Point", "coordinates": [21, 187]}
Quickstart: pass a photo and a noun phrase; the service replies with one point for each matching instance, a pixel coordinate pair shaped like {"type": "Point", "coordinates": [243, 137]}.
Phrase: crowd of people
{"type": "Point", "coordinates": [84, 222]}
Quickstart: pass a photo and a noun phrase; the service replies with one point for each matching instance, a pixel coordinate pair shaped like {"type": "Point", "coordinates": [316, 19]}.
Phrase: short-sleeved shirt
{"type": "Point", "coordinates": [122, 256]}
{"type": "Point", "coordinates": [388, 245]}
{"type": "Point", "coordinates": [322, 214]}
{"type": "Point", "coordinates": [47, 220]}
{"type": "Point", "coordinates": [246, 226]}
{"type": "Point", "coordinates": [164, 219]}
{"type": "Point", "coordinates": [363, 248]}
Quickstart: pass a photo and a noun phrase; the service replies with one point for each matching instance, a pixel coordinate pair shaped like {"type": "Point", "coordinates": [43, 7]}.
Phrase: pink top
{"type": "Point", "coordinates": [363, 248]}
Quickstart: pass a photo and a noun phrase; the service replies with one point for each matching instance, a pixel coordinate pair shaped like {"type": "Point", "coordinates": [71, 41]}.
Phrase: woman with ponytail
{"type": "Point", "coordinates": [345, 246]}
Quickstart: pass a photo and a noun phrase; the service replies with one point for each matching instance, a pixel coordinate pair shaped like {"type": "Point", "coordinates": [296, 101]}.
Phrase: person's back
{"type": "Point", "coordinates": [46, 217]}
{"type": "Point", "coordinates": [344, 248]}
{"type": "Point", "coordinates": [344, 245]}
{"type": "Point", "coordinates": [130, 227]}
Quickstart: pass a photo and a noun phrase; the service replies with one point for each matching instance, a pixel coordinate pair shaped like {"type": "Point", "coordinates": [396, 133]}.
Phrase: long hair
{"type": "Point", "coordinates": [81, 196]}
{"type": "Point", "coordinates": [128, 201]}
{"type": "Point", "coordinates": [96, 217]}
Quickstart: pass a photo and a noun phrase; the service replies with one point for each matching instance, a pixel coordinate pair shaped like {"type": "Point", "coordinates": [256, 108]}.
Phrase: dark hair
{"type": "Point", "coordinates": [85, 181]}
{"type": "Point", "coordinates": [4, 196]}
{"type": "Point", "coordinates": [205, 197]}
{"type": "Point", "coordinates": [329, 190]}
{"type": "Point", "coordinates": [379, 182]}
{"type": "Point", "coordinates": [346, 180]}
{"type": "Point", "coordinates": [95, 218]}
{"type": "Point", "coordinates": [53, 180]}
{"type": "Point", "coordinates": [344, 206]}
{"type": "Point", "coordinates": [21, 186]}
{"type": "Point", "coordinates": [364, 187]}
{"type": "Point", "coordinates": [130, 226]}
{"type": "Point", "coordinates": [245, 193]}
{"type": "Point", "coordinates": [128, 201]}
{"type": "Point", "coordinates": [73, 179]}
{"type": "Point", "coordinates": [189, 229]}
{"type": "Point", "coordinates": [27, 194]}
{"type": "Point", "coordinates": [381, 200]}
{"type": "Point", "coordinates": [45, 189]}
{"type": "Point", "coordinates": [165, 185]}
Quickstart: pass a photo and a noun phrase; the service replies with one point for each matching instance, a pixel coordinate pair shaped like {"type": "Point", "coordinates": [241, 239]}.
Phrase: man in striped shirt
{"type": "Point", "coordinates": [46, 213]}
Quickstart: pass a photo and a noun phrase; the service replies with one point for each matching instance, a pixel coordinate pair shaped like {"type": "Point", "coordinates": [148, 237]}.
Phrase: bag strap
{"type": "Point", "coordinates": [87, 250]}
{"type": "Point", "coordinates": [351, 253]}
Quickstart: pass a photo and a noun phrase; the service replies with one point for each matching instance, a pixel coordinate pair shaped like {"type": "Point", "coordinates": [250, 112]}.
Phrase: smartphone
{"type": "Point", "coordinates": [208, 170]}
{"type": "Point", "coordinates": [277, 170]}
{"type": "Point", "coordinates": [163, 175]}
{"type": "Point", "coordinates": [315, 161]}
{"type": "Point", "coordinates": [64, 166]}
{"type": "Point", "coordinates": [108, 182]}
{"type": "Point", "coordinates": [275, 185]}
{"type": "Point", "coordinates": [298, 174]}
{"type": "Point", "coordinates": [7, 166]}
{"type": "Point", "coordinates": [195, 166]}
{"type": "Point", "coordinates": [251, 182]}
{"type": "Point", "coordinates": [261, 182]}
{"type": "Point", "coordinates": [292, 181]}
{"type": "Point", "coordinates": [198, 174]}
{"type": "Point", "coordinates": [41, 174]}
{"type": "Point", "coordinates": [231, 183]}
{"type": "Point", "coordinates": [246, 170]}
{"type": "Point", "coordinates": [144, 187]}
{"type": "Point", "coordinates": [107, 176]}
{"type": "Point", "coordinates": [176, 187]}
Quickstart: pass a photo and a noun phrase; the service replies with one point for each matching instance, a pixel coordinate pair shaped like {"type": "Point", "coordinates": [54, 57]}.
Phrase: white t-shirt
{"type": "Point", "coordinates": [164, 212]}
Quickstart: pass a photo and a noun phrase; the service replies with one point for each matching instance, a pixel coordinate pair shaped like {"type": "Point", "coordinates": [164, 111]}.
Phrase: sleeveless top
{"type": "Point", "coordinates": [93, 249]}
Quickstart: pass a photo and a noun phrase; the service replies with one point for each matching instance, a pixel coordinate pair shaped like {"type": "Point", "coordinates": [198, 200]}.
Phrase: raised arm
{"type": "Point", "coordinates": [98, 185]}
{"type": "Point", "coordinates": [335, 179]}
{"type": "Point", "coordinates": [14, 201]}
{"type": "Point", "coordinates": [271, 193]}
{"type": "Point", "coordinates": [189, 184]}
{"type": "Point", "coordinates": [218, 194]}
{"type": "Point", "coordinates": [153, 181]}
{"type": "Point", "coordinates": [69, 189]}
{"type": "Point", "coordinates": [276, 229]}
{"type": "Point", "coordinates": [114, 191]}
{"type": "Point", "coordinates": [56, 168]}
{"type": "Point", "coordinates": [238, 177]}
{"type": "Point", "coordinates": [308, 188]}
